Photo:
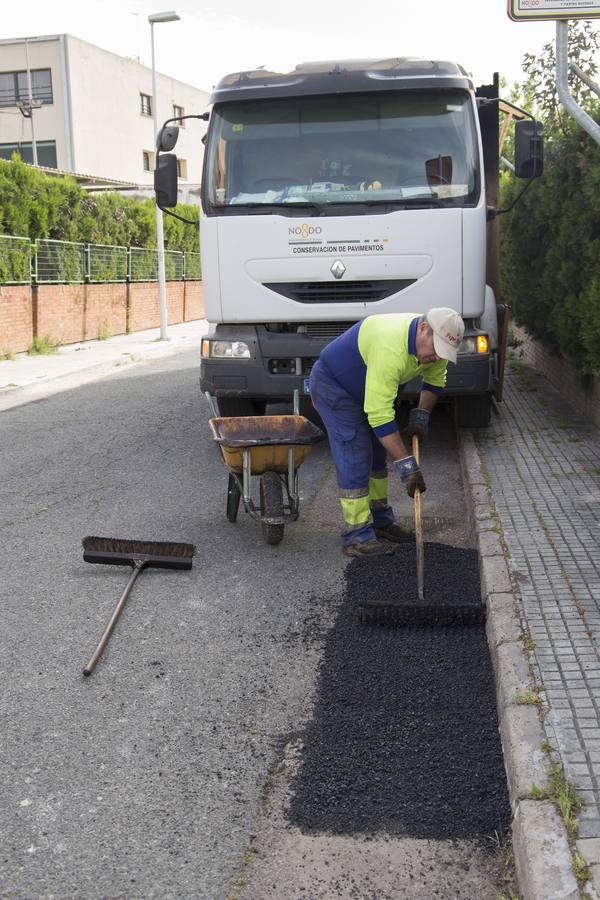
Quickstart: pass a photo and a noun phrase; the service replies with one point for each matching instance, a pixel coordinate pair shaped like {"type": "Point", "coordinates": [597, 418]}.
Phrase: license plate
{"type": "Point", "coordinates": [307, 386]}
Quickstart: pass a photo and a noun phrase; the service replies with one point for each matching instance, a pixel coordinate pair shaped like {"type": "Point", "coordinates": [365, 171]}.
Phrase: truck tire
{"type": "Point", "coordinates": [271, 503]}
{"type": "Point", "coordinates": [473, 412]}
{"type": "Point", "coordinates": [240, 406]}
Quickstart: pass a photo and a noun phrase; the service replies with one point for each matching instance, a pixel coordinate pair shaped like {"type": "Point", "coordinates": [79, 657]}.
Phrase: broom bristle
{"type": "Point", "coordinates": [145, 548]}
{"type": "Point", "coordinates": [120, 552]}
{"type": "Point", "coordinates": [418, 614]}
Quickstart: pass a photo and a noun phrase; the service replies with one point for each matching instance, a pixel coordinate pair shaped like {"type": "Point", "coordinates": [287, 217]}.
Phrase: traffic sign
{"type": "Point", "coordinates": [530, 10]}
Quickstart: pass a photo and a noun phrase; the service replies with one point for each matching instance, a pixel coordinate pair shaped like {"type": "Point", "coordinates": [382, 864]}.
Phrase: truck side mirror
{"type": "Point", "coordinates": [165, 180]}
{"type": "Point", "coordinates": [529, 149]}
{"type": "Point", "coordinates": [167, 138]}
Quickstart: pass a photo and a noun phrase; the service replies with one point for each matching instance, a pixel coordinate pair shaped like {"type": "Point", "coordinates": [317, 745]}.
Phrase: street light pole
{"type": "Point", "coordinates": [29, 91]}
{"type": "Point", "coordinates": [160, 239]}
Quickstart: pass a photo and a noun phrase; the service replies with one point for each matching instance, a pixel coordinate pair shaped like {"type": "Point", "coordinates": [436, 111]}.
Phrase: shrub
{"type": "Point", "coordinates": [551, 240]}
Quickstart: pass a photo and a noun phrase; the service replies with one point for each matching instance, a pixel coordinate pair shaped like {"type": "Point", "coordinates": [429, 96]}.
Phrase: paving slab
{"type": "Point", "coordinates": [540, 464]}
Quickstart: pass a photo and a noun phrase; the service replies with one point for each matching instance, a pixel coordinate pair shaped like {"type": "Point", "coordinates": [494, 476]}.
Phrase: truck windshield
{"type": "Point", "coordinates": [395, 148]}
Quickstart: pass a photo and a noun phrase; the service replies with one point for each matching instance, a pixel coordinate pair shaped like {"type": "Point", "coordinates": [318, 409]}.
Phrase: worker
{"type": "Point", "coordinates": [353, 385]}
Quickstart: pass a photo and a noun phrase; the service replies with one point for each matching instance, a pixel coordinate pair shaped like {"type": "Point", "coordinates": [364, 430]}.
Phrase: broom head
{"type": "Point", "coordinates": [157, 554]}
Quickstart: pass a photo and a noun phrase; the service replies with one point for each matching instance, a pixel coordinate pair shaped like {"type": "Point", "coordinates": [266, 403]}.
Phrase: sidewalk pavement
{"type": "Point", "coordinates": [542, 464]}
{"type": "Point", "coordinates": [26, 378]}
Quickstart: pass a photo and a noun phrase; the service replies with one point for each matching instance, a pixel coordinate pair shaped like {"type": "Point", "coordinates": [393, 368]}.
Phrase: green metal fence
{"type": "Point", "coordinates": [15, 260]}
{"type": "Point", "coordinates": [107, 263]}
{"type": "Point", "coordinates": [66, 262]}
{"type": "Point", "coordinates": [192, 266]}
{"type": "Point", "coordinates": [59, 262]}
{"type": "Point", "coordinates": [143, 264]}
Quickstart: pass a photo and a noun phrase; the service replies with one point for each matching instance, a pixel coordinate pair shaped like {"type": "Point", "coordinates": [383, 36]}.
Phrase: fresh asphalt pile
{"type": "Point", "coordinates": [405, 737]}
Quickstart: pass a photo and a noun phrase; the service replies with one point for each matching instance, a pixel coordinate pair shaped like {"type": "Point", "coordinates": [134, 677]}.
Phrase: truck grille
{"type": "Point", "coordinates": [327, 331]}
{"type": "Point", "coordinates": [339, 291]}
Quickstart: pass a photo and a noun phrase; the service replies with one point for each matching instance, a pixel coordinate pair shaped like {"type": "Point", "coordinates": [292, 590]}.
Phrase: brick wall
{"type": "Point", "coordinates": [71, 313]}
{"type": "Point", "coordinates": [560, 373]}
{"type": "Point", "coordinates": [144, 304]}
{"type": "Point", "coordinates": [194, 301]}
{"type": "Point", "coordinates": [16, 318]}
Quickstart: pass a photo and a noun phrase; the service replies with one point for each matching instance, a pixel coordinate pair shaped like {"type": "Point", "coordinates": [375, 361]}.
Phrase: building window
{"type": "Point", "coordinates": [46, 152]}
{"type": "Point", "coordinates": [14, 87]}
{"type": "Point", "coordinates": [148, 160]}
{"type": "Point", "coordinates": [146, 104]}
{"type": "Point", "coordinates": [182, 168]}
{"type": "Point", "coordinates": [178, 112]}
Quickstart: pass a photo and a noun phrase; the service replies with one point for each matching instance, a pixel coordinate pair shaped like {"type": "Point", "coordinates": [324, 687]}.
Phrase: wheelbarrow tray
{"type": "Point", "coordinates": [268, 438]}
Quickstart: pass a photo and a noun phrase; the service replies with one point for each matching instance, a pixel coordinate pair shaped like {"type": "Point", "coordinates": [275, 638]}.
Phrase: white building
{"type": "Point", "coordinates": [93, 111]}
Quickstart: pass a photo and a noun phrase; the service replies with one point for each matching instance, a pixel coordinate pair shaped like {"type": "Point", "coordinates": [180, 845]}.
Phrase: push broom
{"type": "Point", "coordinates": [139, 555]}
{"type": "Point", "coordinates": [395, 612]}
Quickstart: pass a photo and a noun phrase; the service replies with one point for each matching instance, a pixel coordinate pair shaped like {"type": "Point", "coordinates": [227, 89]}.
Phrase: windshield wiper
{"type": "Point", "coordinates": [405, 202]}
{"type": "Point", "coordinates": [303, 204]}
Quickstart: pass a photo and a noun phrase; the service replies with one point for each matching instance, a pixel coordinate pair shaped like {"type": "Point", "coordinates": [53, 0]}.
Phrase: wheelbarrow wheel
{"type": "Point", "coordinates": [271, 501]}
{"type": "Point", "coordinates": [233, 499]}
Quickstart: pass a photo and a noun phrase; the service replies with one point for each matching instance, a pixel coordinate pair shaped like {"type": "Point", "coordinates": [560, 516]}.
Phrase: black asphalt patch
{"type": "Point", "coordinates": [405, 734]}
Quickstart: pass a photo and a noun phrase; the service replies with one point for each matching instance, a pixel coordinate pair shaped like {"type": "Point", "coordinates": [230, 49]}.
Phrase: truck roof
{"type": "Point", "coordinates": [342, 76]}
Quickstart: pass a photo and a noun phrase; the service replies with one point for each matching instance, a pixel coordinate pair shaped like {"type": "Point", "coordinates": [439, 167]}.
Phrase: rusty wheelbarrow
{"type": "Point", "coordinates": [272, 448]}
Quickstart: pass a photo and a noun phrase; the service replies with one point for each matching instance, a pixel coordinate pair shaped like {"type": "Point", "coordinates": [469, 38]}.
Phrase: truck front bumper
{"type": "Point", "coordinates": [280, 363]}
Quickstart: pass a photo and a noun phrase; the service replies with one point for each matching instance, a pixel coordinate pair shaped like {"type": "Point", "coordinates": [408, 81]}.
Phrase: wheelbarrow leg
{"type": "Point", "coordinates": [233, 498]}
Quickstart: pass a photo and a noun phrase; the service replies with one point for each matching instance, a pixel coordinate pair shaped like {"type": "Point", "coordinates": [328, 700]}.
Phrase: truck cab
{"type": "Point", "coordinates": [337, 191]}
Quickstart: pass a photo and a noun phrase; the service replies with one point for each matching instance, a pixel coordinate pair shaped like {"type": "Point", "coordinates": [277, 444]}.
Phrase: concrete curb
{"type": "Point", "coordinates": [542, 855]}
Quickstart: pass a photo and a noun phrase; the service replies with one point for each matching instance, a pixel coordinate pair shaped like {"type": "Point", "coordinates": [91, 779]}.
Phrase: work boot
{"type": "Point", "coordinates": [394, 532]}
{"type": "Point", "coordinates": [367, 548]}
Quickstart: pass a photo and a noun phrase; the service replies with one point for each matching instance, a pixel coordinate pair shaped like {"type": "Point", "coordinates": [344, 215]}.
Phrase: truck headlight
{"type": "Point", "coordinates": [225, 350]}
{"type": "Point", "coordinates": [477, 343]}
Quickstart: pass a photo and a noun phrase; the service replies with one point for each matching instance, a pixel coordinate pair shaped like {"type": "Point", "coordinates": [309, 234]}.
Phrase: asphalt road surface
{"type": "Point", "coordinates": [170, 772]}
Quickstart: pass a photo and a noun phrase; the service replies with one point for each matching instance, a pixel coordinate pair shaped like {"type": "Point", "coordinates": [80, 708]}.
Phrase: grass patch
{"type": "Point", "coordinates": [528, 698]}
{"type": "Point", "coordinates": [8, 357]}
{"type": "Point", "coordinates": [503, 850]}
{"type": "Point", "coordinates": [248, 857]}
{"type": "Point", "coordinates": [581, 870]}
{"type": "Point", "coordinates": [44, 346]}
{"type": "Point", "coordinates": [564, 796]}
{"type": "Point", "coordinates": [528, 643]}
{"type": "Point", "coordinates": [104, 332]}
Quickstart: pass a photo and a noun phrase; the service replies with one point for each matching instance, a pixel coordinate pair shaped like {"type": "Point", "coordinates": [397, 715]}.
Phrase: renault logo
{"type": "Point", "coordinates": [338, 269]}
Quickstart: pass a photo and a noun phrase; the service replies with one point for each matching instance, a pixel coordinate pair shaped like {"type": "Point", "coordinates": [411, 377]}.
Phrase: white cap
{"type": "Point", "coordinates": [448, 330]}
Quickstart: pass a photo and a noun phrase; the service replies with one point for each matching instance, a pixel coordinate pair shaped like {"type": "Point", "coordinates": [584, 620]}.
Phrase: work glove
{"type": "Point", "coordinates": [410, 474]}
{"type": "Point", "coordinates": [418, 423]}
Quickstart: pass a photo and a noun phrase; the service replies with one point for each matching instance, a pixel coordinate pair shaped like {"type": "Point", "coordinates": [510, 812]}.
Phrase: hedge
{"type": "Point", "coordinates": [35, 205]}
{"type": "Point", "coordinates": [550, 241]}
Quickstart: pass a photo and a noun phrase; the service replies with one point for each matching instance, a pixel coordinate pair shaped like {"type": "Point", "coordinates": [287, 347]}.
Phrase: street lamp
{"type": "Point", "coordinates": [170, 16]}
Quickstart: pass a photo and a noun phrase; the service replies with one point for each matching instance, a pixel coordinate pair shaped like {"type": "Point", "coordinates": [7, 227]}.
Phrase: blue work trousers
{"type": "Point", "coordinates": [359, 457]}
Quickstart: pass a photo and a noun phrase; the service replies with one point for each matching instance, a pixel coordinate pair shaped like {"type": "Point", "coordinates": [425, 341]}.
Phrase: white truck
{"type": "Point", "coordinates": [342, 190]}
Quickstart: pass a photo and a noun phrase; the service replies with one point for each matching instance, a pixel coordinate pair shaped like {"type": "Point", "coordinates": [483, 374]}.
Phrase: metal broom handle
{"type": "Point", "coordinates": [138, 566]}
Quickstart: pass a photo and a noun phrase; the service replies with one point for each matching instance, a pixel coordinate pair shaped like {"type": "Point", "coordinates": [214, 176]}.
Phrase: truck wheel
{"type": "Point", "coordinates": [233, 499]}
{"type": "Point", "coordinates": [271, 502]}
{"type": "Point", "coordinates": [240, 406]}
{"type": "Point", "coordinates": [473, 412]}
